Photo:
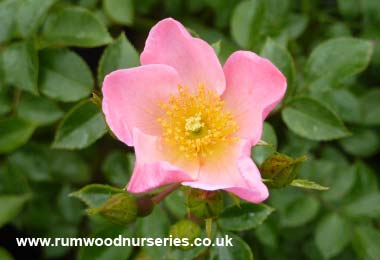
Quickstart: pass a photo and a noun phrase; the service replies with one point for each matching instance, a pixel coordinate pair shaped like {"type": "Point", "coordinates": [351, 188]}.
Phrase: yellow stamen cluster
{"type": "Point", "coordinates": [196, 123]}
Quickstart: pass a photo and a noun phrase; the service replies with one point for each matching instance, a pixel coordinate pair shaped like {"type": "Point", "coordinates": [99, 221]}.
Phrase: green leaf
{"type": "Point", "coordinates": [297, 146]}
{"type": "Point", "coordinates": [14, 132]}
{"type": "Point", "coordinates": [4, 254]}
{"type": "Point", "coordinates": [118, 55]}
{"type": "Point", "coordinates": [68, 166]}
{"type": "Point", "coordinates": [216, 46]}
{"type": "Point", "coordinates": [246, 22]}
{"type": "Point", "coordinates": [32, 161]}
{"type": "Point", "coordinates": [345, 103]}
{"type": "Point", "coordinates": [38, 110]}
{"type": "Point", "coordinates": [89, 4]}
{"type": "Point", "coordinates": [281, 58]}
{"type": "Point", "coordinates": [64, 75]}
{"type": "Point", "coordinates": [332, 235]}
{"type": "Point", "coordinates": [337, 175]}
{"type": "Point", "coordinates": [108, 252]}
{"type": "Point", "coordinates": [117, 167]}
{"type": "Point", "coordinates": [120, 11]}
{"type": "Point", "coordinates": [5, 99]}
{"type": "Point", "coordinates": [31, 14]}
{"type": "Point", "coordinates": [370, 108]}
{"type": "Point", "coordinates": [266, 234]}
{"type": "Point", "coordinates": [69, 207]}
{"type": "Point", "coordinates": [295, 25]}
{"type": "Point", "coordinates": [366, 206]}
{"type": "Point", "coordinates": [262, 152]}
{"type": "Point", "coordinates": [244, 217]}
{"type": "Point", "coordinates": [239, 251]}
{"type": "Point", "coordinates": [64, 230]}
{"type": "Point", "coordinates": [7, 10]}
{"type": "Point", "coordinates": [81, 127]}
{"type": "Point", "coordinates": [307, 184]}
{"type": "Point", "coordinates": [370, 10]}
{"type": "Point", "coordinates": [363, 143]}
{"type": "Point", "coordinates": [20, 62]}
{"type": "Point", "coordinates": [349, 8]}
{"type": "Point", "coordinates": [188, 254]}
{"type": "Point", "coordinates": [11, 205]}
{"type": "Point", "coordinates": [175, 202]}
{"type": "Point", "coordinates": [155, 225]}
{"type": "Point", "coordinates": [299, 211]}
{"type": "Point", "coordinates": [74, 26]}
{"type": "Point", "coordinates": [365, 181]}
{"type": "Point", "coordinates": [366, 242]}
{"type": "Point", "coordinates": [12, 182]}
{"type": "Point", "coordinates": [339, 179]}
{"type": "Point", "coordinates": [95, 195]}
{"type": "Point", "coordinates": [331, 61]}
{"type": "Point", "coordinates": [313, 120]}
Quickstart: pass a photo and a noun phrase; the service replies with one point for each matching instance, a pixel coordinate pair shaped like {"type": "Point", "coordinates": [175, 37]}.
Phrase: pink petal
{"type": "Point", "coordinates": [195, 60]}
{"type": "Point", "coordinates": [156, 165]}
{"type": "Point", "coordinates": [254, 87]}
{"type": "Point", "coordinates": [233, 171]}
{"type": "Point", "coordinates": [131, 97]}
{"type": "Point", "coordinates": [255, 190]}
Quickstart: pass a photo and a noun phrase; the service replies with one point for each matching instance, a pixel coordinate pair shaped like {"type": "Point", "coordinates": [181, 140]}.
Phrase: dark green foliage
{"type": "Point", "coordinates": [54, 143]}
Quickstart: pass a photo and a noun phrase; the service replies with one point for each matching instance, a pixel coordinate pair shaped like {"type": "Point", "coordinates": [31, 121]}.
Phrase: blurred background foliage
{"type": "Point", "coordinates": [53, 139]}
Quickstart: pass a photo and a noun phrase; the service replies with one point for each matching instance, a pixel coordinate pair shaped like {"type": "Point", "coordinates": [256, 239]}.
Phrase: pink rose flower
{"type": "Point", "coordinates": [190, 120]}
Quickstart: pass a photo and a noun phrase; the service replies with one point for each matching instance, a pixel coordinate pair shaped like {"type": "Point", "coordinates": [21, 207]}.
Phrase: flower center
{"type": "Point", "coordinates": [196, 124]}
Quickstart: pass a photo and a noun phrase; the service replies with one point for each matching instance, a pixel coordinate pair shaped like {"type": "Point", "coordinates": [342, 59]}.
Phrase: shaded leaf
{"type": "Point", "coordinates": [155, 225]}
{"type": "Point", "coordinates": [32, 161]}
{"type": "Point", "coordinates": [299, 211]}
{"type": "Point", "coordinates": [366, 242]}
{"type": "Point", "coordinates": [14, 132]}
{"type": "Point", "coordinates": [365, 206]}
{"type": "Point", "coordinates": [11, 205]}
{"type": "Point", "coordinates": [363, 143]}
{"type": "Point", "coordinates": [38, 110]}
{"type": "Point", "coordinates": [108, 252]}
{"type": "Point", "coordinates": [370, 108]}
{"type": "Point", "coordinates": [68, 166]}
{"type": "Point", "coordinates": [118, 167]}
{"type": "Point", "coordinates": [332, 235]}
{"type": "Point", "coordinates": [5, 255]}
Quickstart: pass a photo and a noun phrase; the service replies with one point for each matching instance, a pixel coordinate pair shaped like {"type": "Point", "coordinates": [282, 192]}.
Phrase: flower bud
{"type": "Point", "coordinates": [280, 170]}
{"type": "Point", "coordinates": [185, 229]}
{"type": "Point", "coordinates": [145, 206]}
{"type": "Point", "coordinates": [120, 209]}
{"type": "Point", "coordinates": [204, 204]}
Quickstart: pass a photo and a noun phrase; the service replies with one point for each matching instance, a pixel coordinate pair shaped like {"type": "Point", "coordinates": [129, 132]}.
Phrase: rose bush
{"type": "Point", "coordinates": [191, 111]}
